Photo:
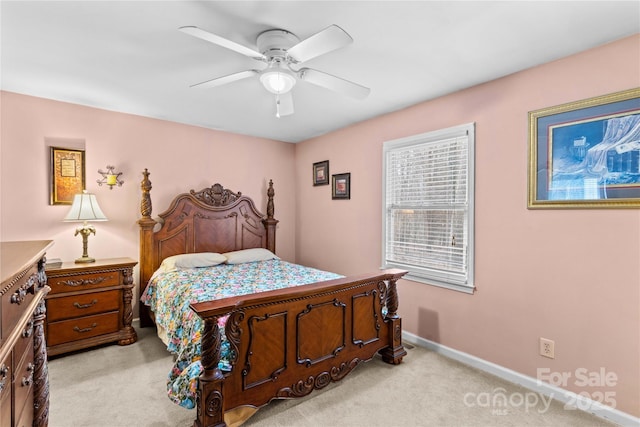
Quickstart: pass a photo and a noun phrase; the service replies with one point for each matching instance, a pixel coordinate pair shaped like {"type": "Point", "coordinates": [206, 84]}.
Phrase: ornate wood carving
{"type": "Point", "coordinates": [270, 222]}
{"type": "Point", "coordinates": [13, 281]}
{"type": "Point", "coordinates": [145, 203]}
{"type": "Point", "coordinates": [234, 332]}
{"type": "Point", "coordinates": [320, 381]}
{"type": "Point", "coordinates": [395, 351]}
{"type": "Point", "coordinates": [147, 262]}
{"type": "Point", "coordinates": [392, 298]}
{"type": "Point", "coordinates": [41, 369]}
{"type": "Point", "coordinates": [270, 194]}
{"type": "Point", "coordinates": [129, 335]}
{"type": "Point", "coordinates": [216, 195]}
{"type": "Point", "coordinates": [83, 282]}
{"type": "Point", "coordinates": [209, 397]}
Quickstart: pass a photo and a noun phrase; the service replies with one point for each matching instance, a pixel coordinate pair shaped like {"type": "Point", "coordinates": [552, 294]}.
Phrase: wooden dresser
{"type": "Point", "coordinates": [90, 304]}
{"type": "Point", "coordinates": [24, 379]}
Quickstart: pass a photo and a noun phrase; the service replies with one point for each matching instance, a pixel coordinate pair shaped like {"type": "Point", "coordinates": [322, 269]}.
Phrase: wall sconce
{"type": "Point", "coordinates": [110, 177]}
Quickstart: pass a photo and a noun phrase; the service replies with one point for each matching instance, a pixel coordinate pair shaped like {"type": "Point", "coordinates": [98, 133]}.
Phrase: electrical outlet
{"type": "Point", "coordinates": [547, 348]}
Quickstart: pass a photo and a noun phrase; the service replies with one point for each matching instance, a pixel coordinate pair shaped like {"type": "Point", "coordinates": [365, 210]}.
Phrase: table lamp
{"type": "Point", "coordinates": [85, 208]}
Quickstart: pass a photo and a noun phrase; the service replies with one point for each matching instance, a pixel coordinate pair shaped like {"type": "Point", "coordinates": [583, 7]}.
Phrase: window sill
{"type": "Point", "coordinates": [459, 288]}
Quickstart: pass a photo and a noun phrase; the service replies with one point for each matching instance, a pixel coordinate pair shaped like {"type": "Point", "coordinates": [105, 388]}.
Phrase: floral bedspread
{"type": "Point", "coordinates": [169, 294]}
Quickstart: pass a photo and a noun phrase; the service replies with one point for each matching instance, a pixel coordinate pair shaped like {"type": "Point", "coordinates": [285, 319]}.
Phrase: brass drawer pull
{"type": "Point", "coordinates": [4, 370]}
{"type": "Point", "coordinates": [75, 328]}
{"type": "Point", "coordinates": [91, 304]}
{"type": "Point", "coordinates": [82, 282]}
{"type": "Point", "coordinates": [18, 296]}
{"type": "Point", "coordinates": [27, 381]}
{"type": "Point", "coordinates": [28, 330]}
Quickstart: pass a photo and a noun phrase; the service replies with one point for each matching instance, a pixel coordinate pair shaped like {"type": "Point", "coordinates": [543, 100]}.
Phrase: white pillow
{"type": "Point", "coordinates": [200, 259]}
{"type": "Point", "coordinates": [249, 255]}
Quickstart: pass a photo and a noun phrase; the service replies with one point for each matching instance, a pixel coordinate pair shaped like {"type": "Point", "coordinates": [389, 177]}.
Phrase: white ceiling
{"type": "Point", "coordinates": [129, 56]}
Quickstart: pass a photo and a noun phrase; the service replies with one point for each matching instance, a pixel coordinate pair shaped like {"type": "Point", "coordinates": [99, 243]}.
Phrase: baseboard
{"type": "Point", "coordinates": [569, 398]}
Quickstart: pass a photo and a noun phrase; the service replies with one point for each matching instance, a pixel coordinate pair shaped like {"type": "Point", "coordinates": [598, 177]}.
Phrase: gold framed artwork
{"type": "Point", "coordinates": [586, 154]}
{"type": "Point", "coordinates": [67, 175]}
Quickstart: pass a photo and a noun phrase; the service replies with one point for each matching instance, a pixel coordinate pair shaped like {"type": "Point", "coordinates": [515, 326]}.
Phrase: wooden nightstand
{"type": "Point", "coordinates": [89, 304]}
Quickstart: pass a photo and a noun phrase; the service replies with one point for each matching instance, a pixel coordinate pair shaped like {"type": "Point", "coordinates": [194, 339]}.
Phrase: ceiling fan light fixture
{"type": "Point", "coordinates": [277, 80]}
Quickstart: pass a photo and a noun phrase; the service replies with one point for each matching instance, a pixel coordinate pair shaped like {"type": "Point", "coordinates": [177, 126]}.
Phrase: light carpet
{"type": "Point", "coordinates": [114, 386]}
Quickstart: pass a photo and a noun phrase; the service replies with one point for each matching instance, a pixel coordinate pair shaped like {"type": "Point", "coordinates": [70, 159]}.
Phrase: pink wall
{"type": "Point", "coordinates": [568, 275]}
{"type": "Point", "coordinates": [179, 157]}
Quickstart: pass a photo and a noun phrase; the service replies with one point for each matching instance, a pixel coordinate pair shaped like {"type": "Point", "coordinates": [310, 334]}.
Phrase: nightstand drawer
{"type": "Point", "coordinates": [81, 282]}
{"type": "Point", "coordinates": [84, 327]}
{"type": "Point", "coordinates": [82, 305]}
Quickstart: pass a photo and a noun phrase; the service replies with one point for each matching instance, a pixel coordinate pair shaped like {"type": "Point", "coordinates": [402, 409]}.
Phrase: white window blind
{"type": "Point", "coordinates": [428, 206]}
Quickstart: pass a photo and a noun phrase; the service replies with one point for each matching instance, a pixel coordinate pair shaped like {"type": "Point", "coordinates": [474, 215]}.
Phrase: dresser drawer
{"type": "Point", "coordinates": [24, 340]}
{"type": "Point", "coordinates": [5, 391]}
{"type": "Point", "coordinates": [82, 305]}
{"type": "Point", "coordinates": [80, 282]}
{"type": "Point", "coordinates": [17, 298]}
{"type": "Point", "coordinates": [23, 381]}
{"type": "Point", "coordinates": [26, 417]}
{"type": "Point", "coordinates": [5, 410]}
{"type": "Point", "coordinates": [84, 327]}
{"type": "Point", "coordinates": [5, 404]}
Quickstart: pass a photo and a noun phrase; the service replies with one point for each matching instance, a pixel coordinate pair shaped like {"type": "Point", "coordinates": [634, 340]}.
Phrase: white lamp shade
{"type": "Point", "coordinates": [85, 208]}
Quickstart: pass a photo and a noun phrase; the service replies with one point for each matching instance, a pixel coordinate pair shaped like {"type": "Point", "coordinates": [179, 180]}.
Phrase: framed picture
{"type": "Point", "coordinates": [586, 154]}
{"type": "Point", "coordinates": [321, 173]}
{"type": "Point", "coordinates": [341, 186]}
{"type": "Point", "coordinates": [67, 175]}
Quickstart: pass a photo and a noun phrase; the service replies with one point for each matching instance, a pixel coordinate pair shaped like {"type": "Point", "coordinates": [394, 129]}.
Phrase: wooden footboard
{"type": "Point", "coordinates": [290, 342]}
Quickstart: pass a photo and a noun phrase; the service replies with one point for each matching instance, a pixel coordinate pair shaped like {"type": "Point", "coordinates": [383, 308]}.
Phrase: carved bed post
{"type": "Point", "coordinates": [129, 336]}
{"type": "Point", "coordinates": [146, 241]}
{"type": "Point", "coordinates": [270, 222]}
{"type": "Point", "coordinates": [209, 400]}
{"type": "Point", "coordinates": [395, 352]}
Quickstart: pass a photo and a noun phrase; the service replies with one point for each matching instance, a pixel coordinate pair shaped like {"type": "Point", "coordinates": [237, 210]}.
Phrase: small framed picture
{"type": "Point", "coordinates": [67, 175]}
{"type": "Point", "coordinates": [321, 173]}
{"type": "Point", "coordinates": [341, 186]}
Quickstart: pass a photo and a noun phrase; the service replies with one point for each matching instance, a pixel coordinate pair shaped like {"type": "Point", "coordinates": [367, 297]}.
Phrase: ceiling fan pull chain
{"type": "Point", "coordinates": [278, 105]}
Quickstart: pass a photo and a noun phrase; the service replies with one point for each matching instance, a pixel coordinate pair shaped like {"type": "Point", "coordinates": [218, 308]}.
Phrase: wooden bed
{"type": "Point", "coordinates": [286, 343]}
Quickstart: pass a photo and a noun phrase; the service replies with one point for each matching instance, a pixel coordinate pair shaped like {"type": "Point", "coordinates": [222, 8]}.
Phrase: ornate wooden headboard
{"type": "Point", "coordinates": [210, 220]}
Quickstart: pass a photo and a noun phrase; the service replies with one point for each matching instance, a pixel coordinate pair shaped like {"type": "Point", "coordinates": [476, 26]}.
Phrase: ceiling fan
{"type": "Point", "coordinates": [283, 52]}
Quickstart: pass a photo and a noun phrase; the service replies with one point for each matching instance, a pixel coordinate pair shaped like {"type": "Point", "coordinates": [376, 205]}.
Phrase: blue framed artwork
{"type": "Point", "coordinates": [586, 154]}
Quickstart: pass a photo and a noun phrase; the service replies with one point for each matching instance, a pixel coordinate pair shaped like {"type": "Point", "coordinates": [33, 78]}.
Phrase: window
{"type": "Point", "coordinates": [428, 185]}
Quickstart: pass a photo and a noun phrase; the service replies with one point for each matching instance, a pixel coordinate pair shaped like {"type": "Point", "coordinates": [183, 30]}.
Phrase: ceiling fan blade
{"type": "Point", "coordinates": [334, 83]}
{"type": "Point", "coordinates": [331, 38]}
{"type": "Point", "coordinates": [219, 81]}
{"type": "Point", "coordinates": [284, 104]}
{"type": "Point", "coordinates": [221, 41]}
